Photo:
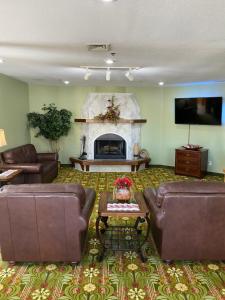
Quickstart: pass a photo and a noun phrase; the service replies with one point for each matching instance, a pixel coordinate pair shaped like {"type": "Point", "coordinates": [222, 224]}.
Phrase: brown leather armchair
{"type": "Point", "coordinates": [188, 220]}
{"type": "Point", "coordinates": [37, 167]}
{"type": "Point", "coordinates": [44, 222]}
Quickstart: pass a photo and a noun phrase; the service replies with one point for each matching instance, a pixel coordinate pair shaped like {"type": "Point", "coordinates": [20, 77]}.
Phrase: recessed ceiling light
{"type": "Point", "coordinates": [1, 60]}
{"type": "Point", "coordinates": [66, 82]}
{"type": "Point", "coordinates": [161, 83]}
{"type": "Point", "coordinates": [109, 61]}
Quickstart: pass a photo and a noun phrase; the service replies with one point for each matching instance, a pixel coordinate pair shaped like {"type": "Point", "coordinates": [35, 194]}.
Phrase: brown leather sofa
{"type": "Point", "coordinates": [37, 167]}
{"type": "Point", "coordinates": [44, 222]}
{"type": "Point", "coordinates": [188, 220]}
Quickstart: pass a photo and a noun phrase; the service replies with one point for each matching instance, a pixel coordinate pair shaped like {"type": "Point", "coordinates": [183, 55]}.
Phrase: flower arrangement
{"type": "Point", "coordinates": [123, 182]}
{"type": "Point", "coordinates": [122, 190]}
{"type": "Point", "coordinates": [112, 113]}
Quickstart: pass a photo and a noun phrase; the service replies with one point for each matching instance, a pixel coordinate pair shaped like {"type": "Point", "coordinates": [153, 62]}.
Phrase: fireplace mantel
{"type": "Point", "coordinates": [120, 121]}
{"type": "Point", "coordinates": [127, 127]}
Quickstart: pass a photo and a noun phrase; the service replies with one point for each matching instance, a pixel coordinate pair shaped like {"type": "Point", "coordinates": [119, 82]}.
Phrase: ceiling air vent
{"type": "Point", "coordinates": [99, 47]}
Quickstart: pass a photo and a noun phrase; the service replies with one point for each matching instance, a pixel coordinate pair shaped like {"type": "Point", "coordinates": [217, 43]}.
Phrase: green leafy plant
{"type": "Point", "coordinates": [52, 124]}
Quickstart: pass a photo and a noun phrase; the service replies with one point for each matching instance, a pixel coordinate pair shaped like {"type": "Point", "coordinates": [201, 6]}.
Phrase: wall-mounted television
{"type": "Point", "coordinates": [201, 111]}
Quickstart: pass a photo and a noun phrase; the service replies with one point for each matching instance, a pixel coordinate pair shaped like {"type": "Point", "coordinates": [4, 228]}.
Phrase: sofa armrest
{"type": "Point", "coordinates": [89, 204]}
{"type": "Point", "coordinates": [47, 156]}
{"type": "Point", "coordinates": [157, 213]}
{"type": "Point", "coordinates": [26, 167]}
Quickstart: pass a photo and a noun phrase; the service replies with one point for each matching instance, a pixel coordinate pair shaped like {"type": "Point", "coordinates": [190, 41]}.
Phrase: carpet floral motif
{"type": "Point", "coordinates": [121, 276]}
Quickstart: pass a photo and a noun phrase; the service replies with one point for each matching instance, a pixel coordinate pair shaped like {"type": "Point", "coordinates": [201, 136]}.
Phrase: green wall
{"type": "Point", "coordinates": [210, 137]}
{"type": "Point", "coordinates": [14, 105]}
{"type": "Point", "coordinates": [71, 98]}
{"type": "Point", "coordinates": [160, 136]}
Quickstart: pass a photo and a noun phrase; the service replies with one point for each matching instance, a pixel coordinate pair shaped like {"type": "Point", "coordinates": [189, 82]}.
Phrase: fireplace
{"type": "Point", "coordinates": [110, 146]}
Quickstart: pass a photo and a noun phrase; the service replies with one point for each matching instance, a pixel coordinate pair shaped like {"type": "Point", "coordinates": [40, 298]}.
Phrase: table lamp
{"type": "Point", "coordinates": [2, 141]}
{"type": "Point", "coordinates": [2, 138]}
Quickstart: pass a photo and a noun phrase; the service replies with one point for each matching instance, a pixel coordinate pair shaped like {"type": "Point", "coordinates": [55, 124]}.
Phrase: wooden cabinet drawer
{"type": "Point", "coordinates": [188, 170]}
{"type": "Point", "coordinates": [187, 154]}
{"type": "Point", "coordinates": [187, 161]}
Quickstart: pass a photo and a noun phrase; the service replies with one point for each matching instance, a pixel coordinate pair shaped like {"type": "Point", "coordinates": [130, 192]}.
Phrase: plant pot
{"type": "Point", "coordinates": [122, 194]}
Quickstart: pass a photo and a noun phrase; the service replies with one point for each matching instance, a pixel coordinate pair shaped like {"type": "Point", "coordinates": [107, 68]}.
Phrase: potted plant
{"type": "Point", "coordinates": [52, 124]}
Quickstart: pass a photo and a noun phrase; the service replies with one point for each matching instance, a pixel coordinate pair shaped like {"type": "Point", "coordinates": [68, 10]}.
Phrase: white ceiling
{"type": "Point", "coordinates": [175, 41]}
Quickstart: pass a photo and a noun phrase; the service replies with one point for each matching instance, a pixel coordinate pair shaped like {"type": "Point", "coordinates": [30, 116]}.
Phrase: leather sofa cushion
{"type": "Point", "coordinates": [52, 188]}
{"type": "Point", "coordinates": [22, 154]}
{"type": "Point", "coordinates": [48, 166]}
{"type": "Point", "coordinates": [200, 187]}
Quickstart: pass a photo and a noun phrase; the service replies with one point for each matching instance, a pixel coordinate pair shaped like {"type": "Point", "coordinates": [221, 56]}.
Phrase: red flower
{"type": "Point", "coordinates": [123, 182]}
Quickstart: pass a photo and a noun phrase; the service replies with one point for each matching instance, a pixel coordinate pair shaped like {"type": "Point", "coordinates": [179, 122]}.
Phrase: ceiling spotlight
{"type": "Point", "coordinates": [1, 60]}
{"type": "Point", "coordinates": [87, 74]}
{"type": "Point", "coordinates": [108, 74]}
{"type": "Point", "coordinates": [129, 75]}
{"type": "Point", "coordinates": [66, 82]}
{"type": "Point", "coordinates": [161, 83]}
{"type": "Point", "coordinates": [109, 61]}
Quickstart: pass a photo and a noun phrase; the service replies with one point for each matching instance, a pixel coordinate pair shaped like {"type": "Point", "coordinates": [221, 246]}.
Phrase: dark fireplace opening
{"type": "Point", "coordinates": [110, 146]}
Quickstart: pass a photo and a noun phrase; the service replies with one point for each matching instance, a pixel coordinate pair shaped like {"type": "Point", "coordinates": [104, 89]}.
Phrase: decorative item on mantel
{"type": "Point", "coordinates": [112, 113]}
{"type": "Point", "coordinates": [136, 150]}
{"type": "Point", "coordinates": [144, 154]}
{"type": "Point", "coordinates": [123, 189]}
{"type": "Point", "coordinates": [83, 155]}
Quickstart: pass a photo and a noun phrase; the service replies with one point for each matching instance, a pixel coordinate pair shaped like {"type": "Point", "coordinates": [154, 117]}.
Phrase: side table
{"type": "Point", "coordinates": [119, 237]}
{"type": "Point", "coordinates": [6, 176]}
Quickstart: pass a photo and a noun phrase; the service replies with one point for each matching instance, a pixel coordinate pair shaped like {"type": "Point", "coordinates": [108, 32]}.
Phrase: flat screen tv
{"type": "Point", "coordinates": [202, 111]}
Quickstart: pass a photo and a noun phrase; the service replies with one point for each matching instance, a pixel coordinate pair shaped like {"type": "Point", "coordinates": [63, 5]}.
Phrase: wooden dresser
{"type": "Point", "coordinates": [191, 162]}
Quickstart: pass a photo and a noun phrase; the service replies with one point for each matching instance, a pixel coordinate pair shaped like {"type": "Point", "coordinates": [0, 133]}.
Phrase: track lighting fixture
{"type": "Point", "coordinates": [87, 74]}
{"type": "Point", "coordinates": [109, 70]}
{"type": "Point", "coordinates": [129, 75]}
{"type": "Point", "coordinates": [108, 74]}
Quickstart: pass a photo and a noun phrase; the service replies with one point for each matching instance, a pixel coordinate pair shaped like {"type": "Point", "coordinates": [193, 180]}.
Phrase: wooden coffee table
{"type": "Point", "coordinates": [122, 237]}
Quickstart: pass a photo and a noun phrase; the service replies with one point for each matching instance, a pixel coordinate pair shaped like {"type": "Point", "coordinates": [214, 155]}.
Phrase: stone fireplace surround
{"type": "Point", "coordinates": [97, 103]}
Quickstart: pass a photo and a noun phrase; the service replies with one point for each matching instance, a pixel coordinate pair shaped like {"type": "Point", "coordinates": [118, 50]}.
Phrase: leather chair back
{"type": "Point", "coordinates": [43, 222]}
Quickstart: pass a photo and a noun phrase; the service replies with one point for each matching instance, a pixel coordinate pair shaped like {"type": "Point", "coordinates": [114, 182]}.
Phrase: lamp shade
{"type": "Point", "coordinates": [2, 138]}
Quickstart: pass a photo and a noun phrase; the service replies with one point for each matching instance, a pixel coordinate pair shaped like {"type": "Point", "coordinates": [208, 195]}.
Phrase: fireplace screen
{"type": "Point", "coordinates": [110, 146]}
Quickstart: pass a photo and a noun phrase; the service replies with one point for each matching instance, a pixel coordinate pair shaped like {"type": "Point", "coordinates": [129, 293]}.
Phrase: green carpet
{"type": "Point", "coordinates": [120, 276]}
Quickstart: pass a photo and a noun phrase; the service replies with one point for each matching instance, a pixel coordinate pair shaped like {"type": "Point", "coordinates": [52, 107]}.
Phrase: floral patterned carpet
{"type": "Point", "coordinates": [121, 276]}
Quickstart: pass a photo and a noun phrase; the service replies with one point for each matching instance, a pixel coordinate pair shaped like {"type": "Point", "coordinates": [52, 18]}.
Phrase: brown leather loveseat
{"type": "Point", "coordinates": [44, 222]}
{"type": "Point", "coordinates": [188, 220]}
{"type": "Point", "coordinates": [37, 167]}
